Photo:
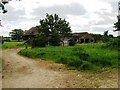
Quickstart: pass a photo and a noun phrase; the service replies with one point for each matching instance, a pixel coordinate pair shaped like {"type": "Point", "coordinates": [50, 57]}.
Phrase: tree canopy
{"type": "Point", "coordinates": [53, 24]}
{"type": "Point", "coordinates": [16, 34]}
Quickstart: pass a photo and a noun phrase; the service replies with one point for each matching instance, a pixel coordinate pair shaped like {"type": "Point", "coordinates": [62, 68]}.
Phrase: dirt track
{"type": "Point", "coordinates": [22, 72]}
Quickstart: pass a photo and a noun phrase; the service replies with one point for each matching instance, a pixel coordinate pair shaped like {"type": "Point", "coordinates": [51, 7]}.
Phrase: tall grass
{"type": "Point", "coordinates": [12, 45]}
{"type": "Point", "coordinates": [82, 57]}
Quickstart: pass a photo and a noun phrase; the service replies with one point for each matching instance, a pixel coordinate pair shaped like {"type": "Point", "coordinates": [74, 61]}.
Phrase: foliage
{"type": "Point", "coordinates": [98, 37]}
{"type": "Point", "coordinates": [41, 41]}
{"type": "Point", "coordinates": [105, 37]}
{"type": "Point", "coordinates": [2, 5]}
{"type": "Point", "coordinates": [17, 34]}
{"type": "Point", "coordinates": [113, 43]}
{"type": "Point", "coordinates": [7, 39]}
{"type": "Point", "coordinates": [106, 33]}
{"type": "Point", "coordinates": [53, 24]}
{"type": "Point", "coordinates": [72, 42]}
{"type": "Point", "coordinates": [117, 24]}
{"type": "Point", "coordinates": [54, 40]}
{"type": "Point", "coordinates": [82, 57]}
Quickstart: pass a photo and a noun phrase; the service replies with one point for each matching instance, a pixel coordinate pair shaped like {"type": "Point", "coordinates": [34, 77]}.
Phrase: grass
{"type": "Point", "coordinates": [12, 45]}
{"type": "Point", "coordinates": [81, 57]}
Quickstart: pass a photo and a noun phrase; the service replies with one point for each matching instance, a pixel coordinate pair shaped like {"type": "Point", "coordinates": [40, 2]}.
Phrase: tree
{"type": "Point", "coordinates": [16, 34]}
{"type": "Point", "coordinates": [40, 41]}
{"type": "Point", "coordinates": [53, 27]}
{"type": "Point", "coordinates": [117, 24]}
{"type": "Point", "coordinates": [106, 33]}
{"type": "Point", "coordinates": [2, 5]}
{"type": "Point", "coordinates": [72, 42]}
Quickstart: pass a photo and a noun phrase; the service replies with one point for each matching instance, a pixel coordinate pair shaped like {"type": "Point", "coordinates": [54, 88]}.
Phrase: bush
{"type": "Point", "coordinates": [72, 42]}
{"type": "Point", "coordinates": [40, 41]}
{"type": "Point", "coordinates": [114, 43]}
{"type": "Point", "coordinates": [55, 41]}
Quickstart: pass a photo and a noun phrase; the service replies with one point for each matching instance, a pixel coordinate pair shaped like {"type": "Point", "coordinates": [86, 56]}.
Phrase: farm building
{"type": "Point", "coordinates": [83, 37]}
{"type": "Point", "coordinates": [31, 33]}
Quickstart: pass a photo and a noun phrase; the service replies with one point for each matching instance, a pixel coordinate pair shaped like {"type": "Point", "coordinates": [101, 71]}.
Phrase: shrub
{"type": "Point", "coordinates": [113, 43]}
{"type": "Point", "coordinates": [72, 42]}
{"type": "Point", "coordinates": [40, 41]}
{"type": "Point", "coordinates": [55, 41]}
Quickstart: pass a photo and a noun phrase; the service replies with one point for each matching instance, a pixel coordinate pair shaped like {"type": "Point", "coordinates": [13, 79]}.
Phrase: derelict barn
{"type": "Point", "coordinates": [83, 37]}
{"type": "Point", "coordinates": [31, 33]}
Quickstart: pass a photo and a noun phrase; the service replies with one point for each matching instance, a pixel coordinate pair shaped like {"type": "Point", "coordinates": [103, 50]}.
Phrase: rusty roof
{"type": "Point", "coordinates": [31, 31]}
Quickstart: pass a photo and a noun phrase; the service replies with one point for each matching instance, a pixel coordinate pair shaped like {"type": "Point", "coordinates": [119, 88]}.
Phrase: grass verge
{"type": "Point", "coordinates": [12, 45]}
{"type": "Point", "coordinates": [82, 57]}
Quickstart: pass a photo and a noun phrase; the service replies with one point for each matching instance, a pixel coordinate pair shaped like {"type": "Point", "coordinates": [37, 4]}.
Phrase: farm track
{"type": "Point", "coordinates": [23, 72]}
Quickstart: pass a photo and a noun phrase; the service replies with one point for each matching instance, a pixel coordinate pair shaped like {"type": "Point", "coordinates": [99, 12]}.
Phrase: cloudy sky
{"type": "Point", "coordinates": [93, 16]}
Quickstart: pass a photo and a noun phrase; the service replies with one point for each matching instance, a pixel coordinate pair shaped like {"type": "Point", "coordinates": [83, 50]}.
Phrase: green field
{"type": "Point", "coordinates": [12, 45]}
{"type": "Point", "coordinates": [80, 57]}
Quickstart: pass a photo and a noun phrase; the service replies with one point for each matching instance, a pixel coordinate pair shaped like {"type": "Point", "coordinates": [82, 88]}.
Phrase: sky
{"type": "Point", "coordinates": [93, 16]}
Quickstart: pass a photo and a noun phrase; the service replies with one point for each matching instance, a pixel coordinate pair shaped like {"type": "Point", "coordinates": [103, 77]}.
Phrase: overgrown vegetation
{"type": "Point", "coordinates": [81, 57]}
{"type": "Point", "coordinates": [72, 42]}
{"type": "Point", "coordinates": [113, 43]}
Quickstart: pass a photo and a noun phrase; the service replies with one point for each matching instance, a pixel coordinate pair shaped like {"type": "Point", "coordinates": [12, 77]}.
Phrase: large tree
{"type": "Point", "coordinates": [16, 34]}
{"type": "Point", "coordinates": [54, 26]}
